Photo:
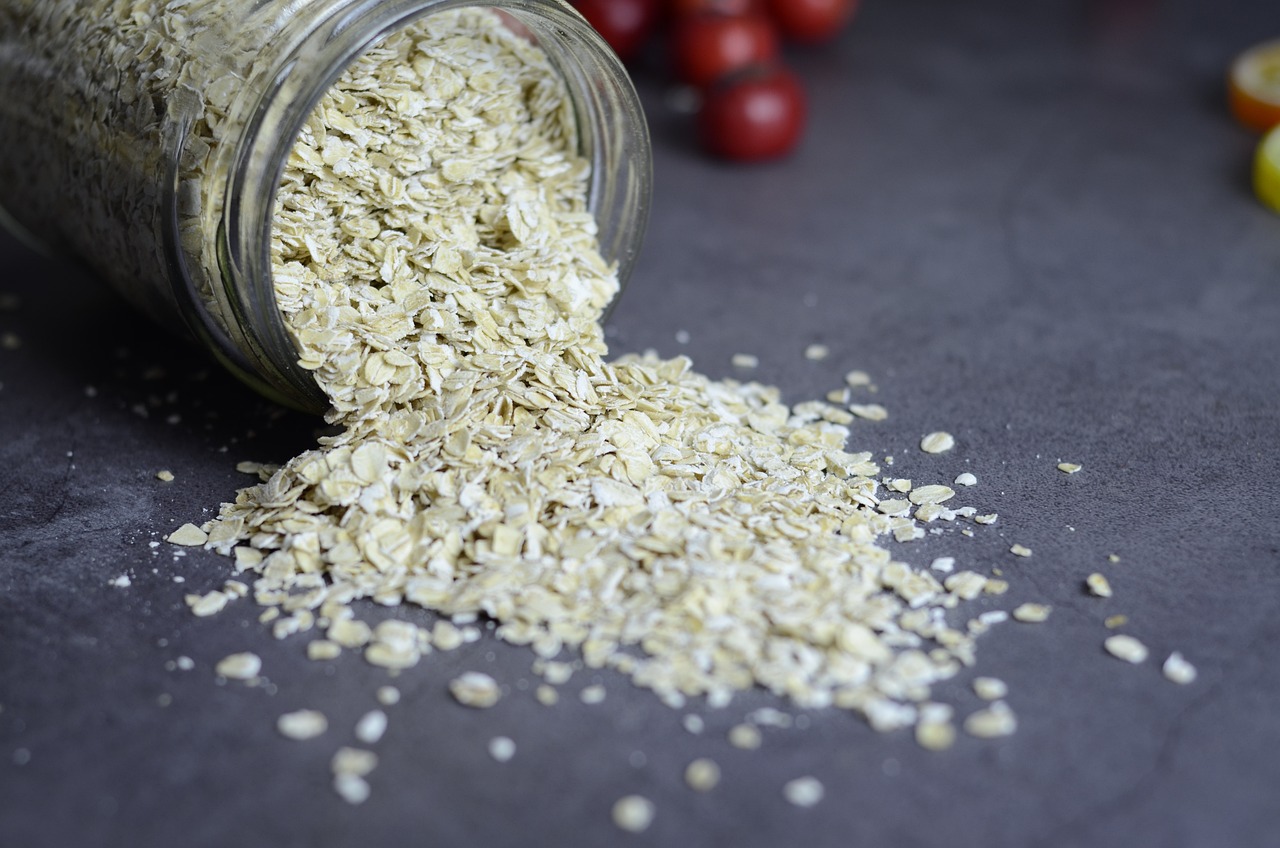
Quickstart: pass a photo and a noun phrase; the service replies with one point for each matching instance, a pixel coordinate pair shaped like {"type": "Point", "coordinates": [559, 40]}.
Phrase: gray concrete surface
{"type": "Point", "coordinates": [1030, 222]}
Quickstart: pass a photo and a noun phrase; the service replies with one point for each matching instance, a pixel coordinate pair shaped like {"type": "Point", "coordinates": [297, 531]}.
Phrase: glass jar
{"type": "Point", "coordinates": [147, 139]}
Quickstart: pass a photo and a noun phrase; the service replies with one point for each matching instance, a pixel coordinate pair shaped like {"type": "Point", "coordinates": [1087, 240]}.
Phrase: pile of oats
{"type": "Point", "coordinates": [437, 264]}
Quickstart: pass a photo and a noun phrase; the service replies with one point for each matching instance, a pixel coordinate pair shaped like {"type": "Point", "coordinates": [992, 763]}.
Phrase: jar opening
{"type": "Point", "coordinates": [611, 135]}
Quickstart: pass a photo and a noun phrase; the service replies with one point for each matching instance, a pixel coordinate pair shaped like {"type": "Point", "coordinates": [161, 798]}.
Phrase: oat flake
{"type": "Point", "coordinates": [243, 666]}
{"type": "Point", "coordinates": [302, 724]}
{"type": "Point", "coordinates": [1177, 669]}
{"type": "Point", "coordinates": [633, 813]}
{"type": "Point", "coordinates": [1126, 648]}
{"type": "Point", "coordinates": [803, 791]}
{"type": "Point", "coordinates": [702, 775]}
{"type": "Point", "coordinates": [939, 442]}
{"type": "Point", "coordinates": [475, 689]}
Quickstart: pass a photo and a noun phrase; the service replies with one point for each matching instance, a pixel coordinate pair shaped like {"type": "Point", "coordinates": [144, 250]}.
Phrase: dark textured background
{"type": "Point", "coordinates": [1030, 221]}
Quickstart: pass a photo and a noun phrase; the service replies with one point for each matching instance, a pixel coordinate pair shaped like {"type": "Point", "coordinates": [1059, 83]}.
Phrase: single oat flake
{"type": "Point", "coordinates": [302, 724]}
{"type": "Point", "coordinates": [188, 535]}
{"type": "Point", "coordinates": [1177, 669]}
{"type": "Point", "coordinates": [502, 749]}
{"type": "Point", "coordinates": [990, 688]}
{"type": "Point", "coordinates": [1098, 585]}
{"type": "Point", "coordinates": [935, 735]}
{"type": "Point", "coordinates": [633, 813]}
{"type": "Point", "coordinates": [994, 721]}
{"type": "Point", "coordinates": [816, 352]}
{"type": "Point", "coordinates": [1069, 467]}
{"type": "Point", "coordinates": [939, 442]}
{"type": "Point", "coordinates": [475, 689]}
{"type": "Point", "coordinates": [869, 411]}
{"type": "Point", "coordinates": [1126, 648]}
{"type": "Point", "coordinates": [242, 666]}
{"type": "Point", "coordinates": [803, 791]}
{"type": "Point", "coordinates": [702, 775]}
{"type": "Point", "coordinates": [745, 736]}
{"type": "Point", "coordinates": [1032, 613]}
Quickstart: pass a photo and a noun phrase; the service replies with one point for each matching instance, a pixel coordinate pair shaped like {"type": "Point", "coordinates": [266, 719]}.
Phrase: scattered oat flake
{"type": "Point", "coordinates": [594, 694]}
{"type": "Point", "coordinates": [121, 582]}
{"type": "Point", "coordinates": [990, 688]}
{"type": "Point", "coordinates": [371, 727]}
{"type": "Point", "coordinates": [165, 476]}
{"type": "Point", "coordinates": [1177, 669]}
{"type": "Point", "coordinates": [817, 352]}
{"type": "Point", "coordinates": [935, 735]}
{"type": "Point", "coordinates": [745, 736]}
{"type": "Point", "coordinates": [475, 689]}
{"type": "Point", "coordinates": [931, 494]}
{"type": "Point", "coordinates": [352, 788]}
{"type": "Point", "coordinates": [702, 775]}
{"type": "Point", "coordinates": [633, 813]}
{"type": "Point", "coordinates": [693, 723]}
{"type": "Point", "coordinates": [990, 518]}
{"type": "Point", "coordinates": [939, 442]}
{"type": "Point", "coordinates": [388, 696]}
{"type": "Point", "coordinates": [1020, 550]}
{"type": "Point", "coordinates": [242, 666]}
{"type": "Point", "coordinates": [994, 721]}
{"type": "Point", "coordinates": [1127, 648]}
{"type": "Point", "coordinates": [857, 379]}
{"type": "Point", "coordinates": [966, 479]}
{"type": "Point", "coordinates": [188, 535]}
{"type": "Point", "coordinates": [745, 360]}
{"type": "Point", "coordinates": [546, 695]}
{"type": "Point", "coordinates": [1098, 585]}
{"type": "Point", "coordinates": [1113, 558]}
{"type": "Point", "coordinates": [185, 663]}
{"type": "Point", "coordinates": [302, 724]}
{"type": "Point", "coordinates": [1032, 613]}
{"type": "Point", "coordinates": [1069, 467]}
{"type": "Point", "coordinates": [1114, 621]}
{"type": "Point", "coordinates": [353, 761]}
{"type": "Point", "coordinates": [502, 749]}
{"type": "Point", "coordinates": [944, 564]}
{"type": "Point", "coordinates": [869, 411]}
{"type": "Point", "coordinates": [803, 791]}
{"type": "Point", "coordinates": [322, 649]}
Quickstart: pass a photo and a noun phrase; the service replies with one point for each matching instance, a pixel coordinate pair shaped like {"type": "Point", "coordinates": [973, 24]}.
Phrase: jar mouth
{"type": "Point", "coordinates": [612, 136]}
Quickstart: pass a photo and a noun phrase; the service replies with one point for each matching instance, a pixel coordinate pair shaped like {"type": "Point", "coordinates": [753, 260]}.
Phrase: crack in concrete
{"type": "Point", "coordinates": [1145, 784]}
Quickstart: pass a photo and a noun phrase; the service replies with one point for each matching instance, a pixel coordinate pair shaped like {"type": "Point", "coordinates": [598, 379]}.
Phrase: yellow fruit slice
{"type": "Point", "coordinates": [1266, 170]}
{"type": "Point", "coordinates": [1253, 86]}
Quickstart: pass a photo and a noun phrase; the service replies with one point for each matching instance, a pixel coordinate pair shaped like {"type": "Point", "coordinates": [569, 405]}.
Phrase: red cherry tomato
{"type": "Point", "coordinates": [684, 8]}
{"type": "Point", "coordinates": [625, 24]}
{"type": "Point", "coordinates": [708, 46]}
{"type": "Point", "coordinates": [756, 114]}
{"type": "Point", "coordinates": [811, 21]}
